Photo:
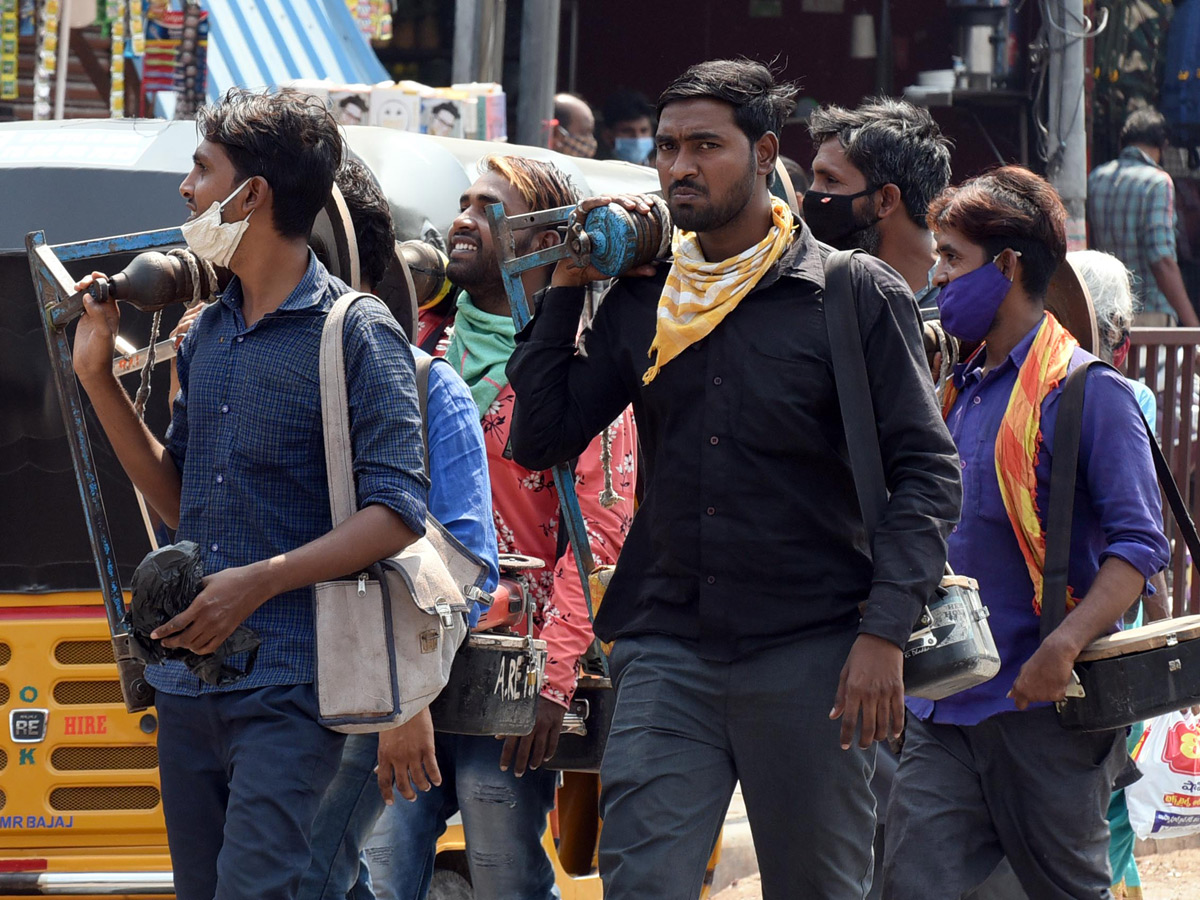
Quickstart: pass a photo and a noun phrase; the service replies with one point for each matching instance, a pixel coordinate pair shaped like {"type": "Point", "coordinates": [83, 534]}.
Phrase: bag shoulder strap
{"type": "Point", "coordinates": [1064, 468]}
{"type": "Point", "coordinates": [1179, 509]}
{"type": "Point", "coordinates": [1063, 472]}
{"type": "Point", "coordinates": [853, 388]}
{"type": "Point", "coordinates": [335, 412]}
{"type": "Point", "coordinates": [424, 364]}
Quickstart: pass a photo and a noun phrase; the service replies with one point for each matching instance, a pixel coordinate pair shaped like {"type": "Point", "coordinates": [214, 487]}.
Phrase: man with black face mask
{"type": "Point", "coordinates": [876, 169]}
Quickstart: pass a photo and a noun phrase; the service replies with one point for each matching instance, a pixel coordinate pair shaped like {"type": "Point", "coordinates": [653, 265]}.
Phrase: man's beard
{"type": "Point", "coordinates": [715, 214]}
{"type": "Point", "coordinates": [480, 270]}
{"type": "Point", "coordinates": [865, 238]}
{"type": "Point", "coordinates": [865, 235]}
{"type": "Point", "coordinates": [479, 275]}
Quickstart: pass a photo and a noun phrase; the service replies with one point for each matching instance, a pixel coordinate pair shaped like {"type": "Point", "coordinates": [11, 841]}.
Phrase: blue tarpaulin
{"type": "Point", "coordinates": [262, 43]}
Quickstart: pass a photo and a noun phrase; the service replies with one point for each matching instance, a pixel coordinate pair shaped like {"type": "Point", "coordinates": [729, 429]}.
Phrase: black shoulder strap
{"type": "Point", "coordinates": [1183, 517]}
{"type": "Point", "coordinates": [853, 388]}
{"type": "Point", "coordinates": [1063, 471]}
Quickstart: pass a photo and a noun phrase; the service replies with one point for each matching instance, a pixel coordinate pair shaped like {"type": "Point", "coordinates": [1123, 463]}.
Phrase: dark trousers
{"type": "Point", "coordinates": [242, 773]}
{"type": "Point", "coordinates": [686, 729]}
{"type": "Point", "coordinates": [1017, 785]}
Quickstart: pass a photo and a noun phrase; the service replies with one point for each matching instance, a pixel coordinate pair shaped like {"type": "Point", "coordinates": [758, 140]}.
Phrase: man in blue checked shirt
{"type": "Point", "coordinates": [1131, 214]}
{"type": "Point", "coordinates": [242, 474]}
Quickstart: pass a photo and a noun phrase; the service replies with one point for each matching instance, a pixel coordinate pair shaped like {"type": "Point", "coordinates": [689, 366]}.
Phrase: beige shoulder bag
{"type": "Point", "coordinates": [385, 639]}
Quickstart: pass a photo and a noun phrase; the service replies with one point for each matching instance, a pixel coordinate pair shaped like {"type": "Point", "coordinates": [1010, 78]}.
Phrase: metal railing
{"type": "Point", "coordinates": [1166, 360]}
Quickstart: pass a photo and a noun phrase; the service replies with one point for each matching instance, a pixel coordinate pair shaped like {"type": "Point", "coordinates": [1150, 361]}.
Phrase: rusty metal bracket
{"type": "Point", "coordinates": [53, 285]}
{"type": "Point", "coordinates": [512, 267]}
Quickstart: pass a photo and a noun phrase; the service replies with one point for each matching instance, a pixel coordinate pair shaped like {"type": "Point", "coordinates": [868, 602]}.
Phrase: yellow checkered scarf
{"type": "Point", "coordinates": [699, 294]}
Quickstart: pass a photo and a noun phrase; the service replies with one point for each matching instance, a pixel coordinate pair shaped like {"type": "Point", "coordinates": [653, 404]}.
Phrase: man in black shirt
{"type": "Point", "coordinates": [736, 603]}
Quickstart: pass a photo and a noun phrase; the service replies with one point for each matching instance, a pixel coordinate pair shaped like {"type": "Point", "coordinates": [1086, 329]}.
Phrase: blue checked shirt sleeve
{"type": "Point", "coordinates": [1158, 234]}
{"type": "Point", "coordinates": [1116, 462]}
{"type": "Point", "coordinates": [460, 492]}
{"type": "Point", "coordinates": [176, 437]}
{"type": "Point", "coordinates": [385, 418]}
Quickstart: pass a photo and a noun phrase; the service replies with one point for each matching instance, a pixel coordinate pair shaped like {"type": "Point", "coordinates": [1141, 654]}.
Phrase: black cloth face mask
{"type": "Point", "coordinates": [830, 217]}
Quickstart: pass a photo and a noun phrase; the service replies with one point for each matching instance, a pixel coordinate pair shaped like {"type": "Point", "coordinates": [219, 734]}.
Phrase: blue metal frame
{"type": "Point", "coordinates": [512, 267]}
{"type": "Point", "coordinates": [54, 285]}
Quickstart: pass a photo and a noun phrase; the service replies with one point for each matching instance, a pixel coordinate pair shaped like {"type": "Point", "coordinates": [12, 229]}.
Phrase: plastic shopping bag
{"type": "Point", "coordinates": [1165, 803]}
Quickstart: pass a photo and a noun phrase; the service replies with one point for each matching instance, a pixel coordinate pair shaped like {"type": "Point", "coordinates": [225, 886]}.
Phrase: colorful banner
{"type": "Point", "coordinates": [8, 50]}
{"type": "Point", "coordinates": [163, 33]}
{"type": "Point", "coordinates": [116, 69]}
{"type": "Point", "coordinates": [137, 28]}
{"type": "Point", "coordinates": [374, 18]}
{"type": "Point", "coordinates": [47, 60]}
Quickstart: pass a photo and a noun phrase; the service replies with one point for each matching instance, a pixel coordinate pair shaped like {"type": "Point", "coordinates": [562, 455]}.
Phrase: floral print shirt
{"type": "Point", "coordinates": [526, 512]}
{"type": "Point", "coordinates": [525, 508]}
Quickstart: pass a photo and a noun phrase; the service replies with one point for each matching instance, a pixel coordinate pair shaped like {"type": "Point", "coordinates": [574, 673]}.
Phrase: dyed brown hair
{"type": "Point", "coordinates": [1009, 207]}
{"type": "Point", "coordinates": [542, 185]}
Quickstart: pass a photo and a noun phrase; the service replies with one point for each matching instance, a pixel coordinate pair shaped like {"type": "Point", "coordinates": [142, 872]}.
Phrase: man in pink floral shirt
{"type": "Point", "coordinates": [503, 794]}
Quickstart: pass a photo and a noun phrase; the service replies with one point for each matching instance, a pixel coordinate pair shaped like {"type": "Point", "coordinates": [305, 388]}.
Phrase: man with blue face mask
{"type": "Point", "coordinates": [989, 772]}
{"type": "Point", "coordinates": [241, 473]}
{"type": "Point", "coordinates": [628, 127]}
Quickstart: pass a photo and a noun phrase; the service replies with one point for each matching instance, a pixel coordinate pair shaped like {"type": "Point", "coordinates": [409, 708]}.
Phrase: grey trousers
{"type": "Point", "coordinates": [686, 729]}
{"type": "Point", "coordinates": [1017, 785]}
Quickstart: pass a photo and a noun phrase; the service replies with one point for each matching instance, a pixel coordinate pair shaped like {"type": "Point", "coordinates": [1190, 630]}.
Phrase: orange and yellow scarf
{"type": "Point", "coordinates": [1019, 439]}
{"type": "Point", "coordinates": [699, 294]}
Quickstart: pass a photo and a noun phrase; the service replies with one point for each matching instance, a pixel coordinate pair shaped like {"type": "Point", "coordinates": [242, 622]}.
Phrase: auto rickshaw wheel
{"type": "Point", "coordinates": [449, 885]}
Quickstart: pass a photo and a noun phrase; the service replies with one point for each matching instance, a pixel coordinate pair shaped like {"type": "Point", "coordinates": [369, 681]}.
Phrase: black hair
{"type": "Point", "coordinates": [287, 137]}
{"type": "Point", "coordinates": [371, 214]}
{"type": "Point", "coordinates": [448, 106]}
{"type": "Point", "coordinates": [625, 106]}
{"type": "Point", "coordinates": [759, 103]}
{"type": "Point", "coordinates": [353, 100]}
{"type": "Point", "coordinates": [1144, 126]}
{"type": "Point", "coordinates": [890, 142]}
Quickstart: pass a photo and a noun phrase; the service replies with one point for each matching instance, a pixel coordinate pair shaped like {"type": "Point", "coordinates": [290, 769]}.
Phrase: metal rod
{"type": "Point", "coordinates": [127, 365]}
{"type": "Point", "coordinates": [50, 279]}
{"type": "Point", "coordinates": [557, 215]}
{"type": "Point", "coordinates": [123, 243]}
{"type": "Point", "coordinates": [52, 282]}
{"type": "Point", "coordinates": [107, 884]}
{"type": "Point", "coordinates": [511, 269]}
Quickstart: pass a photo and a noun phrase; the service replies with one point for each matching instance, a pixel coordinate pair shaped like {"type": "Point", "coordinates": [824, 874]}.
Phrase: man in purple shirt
{"type": "Point", "coordinates": [989, 773]}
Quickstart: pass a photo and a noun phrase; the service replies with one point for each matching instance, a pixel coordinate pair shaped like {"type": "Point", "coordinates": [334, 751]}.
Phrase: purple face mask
{"type": "Point", "coordinates": [968, 304]}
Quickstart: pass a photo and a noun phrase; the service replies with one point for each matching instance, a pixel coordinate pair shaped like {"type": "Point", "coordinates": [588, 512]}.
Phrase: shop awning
{"type": "Point", "coordinates": [261, 43]}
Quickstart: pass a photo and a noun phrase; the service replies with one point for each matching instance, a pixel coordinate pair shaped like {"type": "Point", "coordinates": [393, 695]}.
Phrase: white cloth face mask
{"type": "Point", "coordinates": [210, 238]}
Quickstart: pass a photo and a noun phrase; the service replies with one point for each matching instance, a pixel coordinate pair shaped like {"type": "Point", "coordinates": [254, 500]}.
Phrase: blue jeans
{"type": "Point", "coordinates": [242, 775]}
{"type": "Point", "coordinates": [504, 818]}
{"type": "Point", "coordinates": [347, 815]}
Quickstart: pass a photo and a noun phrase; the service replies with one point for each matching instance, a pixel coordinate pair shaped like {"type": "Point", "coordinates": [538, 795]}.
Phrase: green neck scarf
{"type": "Point", "coordinates": [479, 350]}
